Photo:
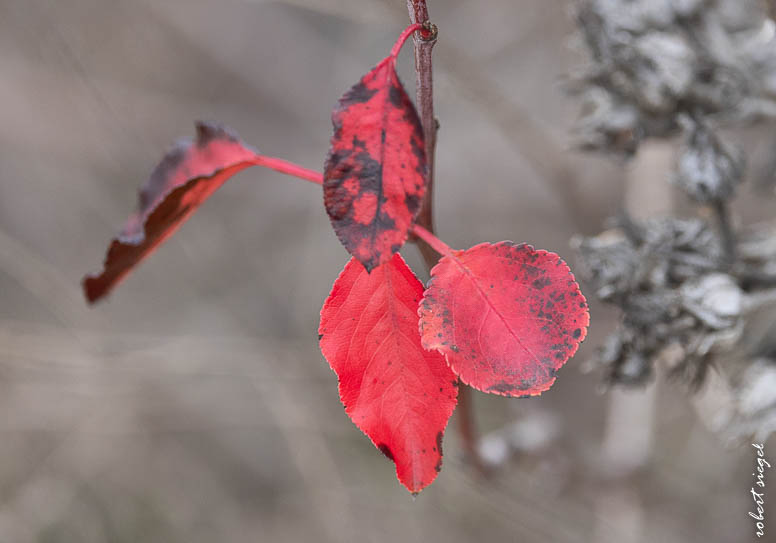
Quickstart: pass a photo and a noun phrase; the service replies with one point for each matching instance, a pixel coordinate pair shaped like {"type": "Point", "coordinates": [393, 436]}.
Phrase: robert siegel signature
{"type": "Point", "coordinates": [759, 482]}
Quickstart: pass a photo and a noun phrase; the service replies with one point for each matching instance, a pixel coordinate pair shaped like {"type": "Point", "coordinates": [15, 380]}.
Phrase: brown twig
{"type": "Point", "coordinates": [529, 138]}
{"type": "Point", "coordinates": [424, 97]}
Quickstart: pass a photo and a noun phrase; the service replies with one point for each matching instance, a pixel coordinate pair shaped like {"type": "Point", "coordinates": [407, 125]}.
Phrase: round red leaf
{"type": "Point", "coordinates": [505, 316]}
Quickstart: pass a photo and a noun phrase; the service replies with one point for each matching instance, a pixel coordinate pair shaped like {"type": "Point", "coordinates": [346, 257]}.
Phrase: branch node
{"type": "Point", "coordinates": [430, 31]}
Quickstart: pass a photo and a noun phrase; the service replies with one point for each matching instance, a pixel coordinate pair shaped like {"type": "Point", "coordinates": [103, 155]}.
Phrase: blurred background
{"type": "Point", "coordinates": [194, 405]}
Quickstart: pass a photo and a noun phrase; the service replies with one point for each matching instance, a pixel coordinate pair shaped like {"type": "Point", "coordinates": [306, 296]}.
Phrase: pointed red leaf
{"type": "Point", "coordinates": [374, 178]}
{"type": "Point", "coordinates": [397, 393]}
{"type": "Point", "coordinates": [505, 316]}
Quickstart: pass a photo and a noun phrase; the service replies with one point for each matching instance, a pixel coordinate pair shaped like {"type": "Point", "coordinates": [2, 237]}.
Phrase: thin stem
{"type": "Point", "coordinates": [424, 99]}
{"type": "Point", "coordinates": [722, 211]}
{"type": "Point", "coordinates": [770, 8]}
{"type": "Point", "coordinates": [763, 298]}
{"type": "Point", "coordinates": [403, 37]}
{"type": "Point", "coordinates": [289, 168]}
{"type": "Point", "coordinates": [467, 426]}
{"type": "Point", "coordinates": [754, 279]}
{"type": "Point", "coordinates": [432, 241]}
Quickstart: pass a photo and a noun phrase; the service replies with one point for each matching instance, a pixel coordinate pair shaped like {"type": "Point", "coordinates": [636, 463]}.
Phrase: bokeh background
{"type": "Point", "coordinates": [194, 405]}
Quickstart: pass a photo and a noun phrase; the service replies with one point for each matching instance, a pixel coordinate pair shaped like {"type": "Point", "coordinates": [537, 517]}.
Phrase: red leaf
{"type": "Point", "coordinates": [397, 393]}
{"type": "Point", "coordinates": [374, 178]}
{"type": "Point", "coordinates": [187, 175]}
{"type": "Point", "coordinates": [505, 316]}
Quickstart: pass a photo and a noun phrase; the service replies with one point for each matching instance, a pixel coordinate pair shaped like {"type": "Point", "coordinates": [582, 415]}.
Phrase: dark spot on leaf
{"type": "Point", "coordinates": [502, 387]}
{"type": "Point", "coordinates": [358, 94]}
{"type": "Point", "coordinates": [420, 154]}
{"type": "Point", "coordinates": [395, 96]}
{"type": "Point", "coordinates": [540, 283]}
{"type": "Point", "coordinates": [386, 450]}
{"type": "Point", "coordinates": [412, 202]}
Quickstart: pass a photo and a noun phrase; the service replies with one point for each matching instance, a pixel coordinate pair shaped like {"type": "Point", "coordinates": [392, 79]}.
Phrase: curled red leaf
{"type": "Point", "coordinates": [374, 177]}
{"type": "Point", "coordinates": [397, 393]}
{"type": "Point", "coordinates": [187, 175]}
{"type": "Point", "coordinates": [505, 316]}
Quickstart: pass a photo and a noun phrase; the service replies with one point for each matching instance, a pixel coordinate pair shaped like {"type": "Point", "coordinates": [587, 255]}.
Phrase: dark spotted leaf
{"type": "Point", "coordinates": [374, 177]}
{"type": "Point", "coordinates": [505, 316]}
{"type": "Point", "coordinates": [187, 175]}
{"type": "Point", "coordinates": [397, 393]}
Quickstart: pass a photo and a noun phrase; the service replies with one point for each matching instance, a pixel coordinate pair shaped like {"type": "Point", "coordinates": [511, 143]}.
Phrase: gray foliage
{"type": "Point", "coordinates": [653, 60]}
{"type": "Point", "coordinates": [708, 169]}
{"type": "Point", "coordinates": [690, 290]}
{"type": "Point", "coordinates": [662, 275]}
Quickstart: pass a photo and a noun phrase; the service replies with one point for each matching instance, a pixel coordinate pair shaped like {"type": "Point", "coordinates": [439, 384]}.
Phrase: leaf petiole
{"type": "Point", "coordinates": [434, 242]}
{"type": "Point", "coordinates": [403, 37]}
{"type": "Point", "coordinates": [288, 168]}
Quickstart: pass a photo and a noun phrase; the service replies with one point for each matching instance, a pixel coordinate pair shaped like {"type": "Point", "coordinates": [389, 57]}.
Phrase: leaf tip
{"type": "Point", "coordinates": [369, 265]}
{"type": "Point", "coordinates": [207, 131]}
{"type": "Point", "coordinates": [93, 289]}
